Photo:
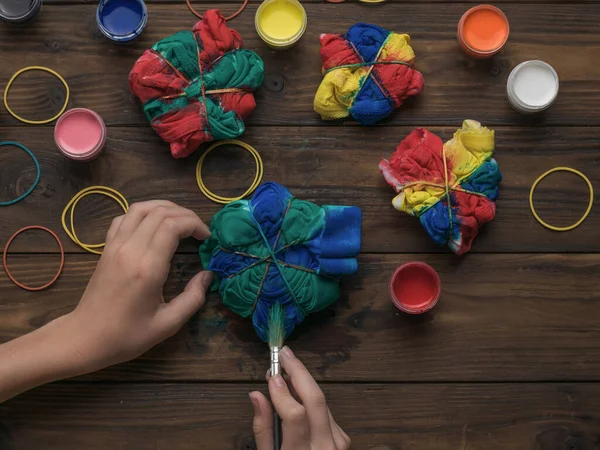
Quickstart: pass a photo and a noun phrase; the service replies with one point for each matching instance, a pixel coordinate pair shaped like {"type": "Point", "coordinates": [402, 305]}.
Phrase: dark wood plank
{"type": "Point", "coordinates": [72, 416]}
{"type": "Point", "coordinates": [501, 318]}
{"type": "Point", "coordinates": [457, 87]}
{"type": "Point", "coordinates": [318, 164]}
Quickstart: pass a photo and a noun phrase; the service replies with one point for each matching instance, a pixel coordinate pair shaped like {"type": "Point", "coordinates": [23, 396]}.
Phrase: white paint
{"type": "Point", "coordinates": [532, 86]}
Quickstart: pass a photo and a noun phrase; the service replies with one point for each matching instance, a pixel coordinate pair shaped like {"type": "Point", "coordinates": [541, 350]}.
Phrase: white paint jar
{"type": "Point", "coordinates": [532, 87]}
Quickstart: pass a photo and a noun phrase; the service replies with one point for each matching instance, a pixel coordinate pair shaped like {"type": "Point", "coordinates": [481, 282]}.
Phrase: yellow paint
{"type": "Point", "coordinates": [281, 20]}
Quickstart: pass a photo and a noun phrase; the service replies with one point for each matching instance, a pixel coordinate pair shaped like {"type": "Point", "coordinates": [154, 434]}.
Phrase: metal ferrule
{"type": "Point", "coordinates": [275, 367]}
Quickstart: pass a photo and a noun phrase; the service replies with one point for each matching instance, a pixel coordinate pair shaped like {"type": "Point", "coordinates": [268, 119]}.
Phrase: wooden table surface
{"type": "Point", "coordinates": [509, 359]}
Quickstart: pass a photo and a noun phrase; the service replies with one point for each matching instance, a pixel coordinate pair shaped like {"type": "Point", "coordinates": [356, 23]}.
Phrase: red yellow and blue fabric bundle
{"type": "Point", "coordinates": [196, 86]}
{"type": "Point", "coordinates": [452, 188]}
{"type": "Point", "coordinates": [367, 74]}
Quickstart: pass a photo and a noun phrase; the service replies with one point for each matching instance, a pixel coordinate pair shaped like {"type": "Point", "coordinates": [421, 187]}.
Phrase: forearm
{"type": "Point", "coordinates": [42, 356]}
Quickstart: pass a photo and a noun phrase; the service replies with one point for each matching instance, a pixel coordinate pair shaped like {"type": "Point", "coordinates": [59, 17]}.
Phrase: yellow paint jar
{"type": "Point", "coordinates": [280, 23]}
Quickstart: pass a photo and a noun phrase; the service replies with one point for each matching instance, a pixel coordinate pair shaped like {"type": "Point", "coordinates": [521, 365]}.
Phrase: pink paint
{"type": "Point", "coordinates": [80, 134]}
{"type": "Point", "coordinates": [415, 287]}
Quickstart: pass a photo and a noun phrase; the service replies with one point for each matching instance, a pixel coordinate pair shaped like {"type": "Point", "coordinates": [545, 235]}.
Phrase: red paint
{"type": "Point", "coordinates": [415, 287]}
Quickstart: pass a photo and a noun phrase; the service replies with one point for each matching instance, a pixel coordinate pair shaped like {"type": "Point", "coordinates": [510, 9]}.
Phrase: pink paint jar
{"type": "Point", "coordinates": [415, 287]}
{"type": "Point", "coordinates": [80, 134]}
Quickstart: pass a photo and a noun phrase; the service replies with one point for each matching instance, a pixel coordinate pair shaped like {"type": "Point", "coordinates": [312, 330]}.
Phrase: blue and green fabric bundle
{"type": "Point", "coordinates": [278, 250]}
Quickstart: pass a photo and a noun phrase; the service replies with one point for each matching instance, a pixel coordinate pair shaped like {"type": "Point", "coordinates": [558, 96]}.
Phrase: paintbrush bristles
{"type": "Point", "coordinates": [276, 326]}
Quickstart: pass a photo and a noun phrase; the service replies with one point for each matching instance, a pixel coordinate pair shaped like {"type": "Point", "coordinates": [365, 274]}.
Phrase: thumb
{"type": "Point", "coordinates": [179, 310]}
{"type": "Point", "coordinates": [262, 425]}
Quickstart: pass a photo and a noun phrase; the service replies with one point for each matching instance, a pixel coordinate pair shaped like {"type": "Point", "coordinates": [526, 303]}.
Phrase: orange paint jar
{"type": "Point", "coordinates": [482, 31]}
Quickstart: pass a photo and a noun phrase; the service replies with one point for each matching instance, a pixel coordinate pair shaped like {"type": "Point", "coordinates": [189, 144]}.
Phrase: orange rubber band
{"type": "Point", "coordinates": [62, 258]}
{"type": "Point", "coordinates": [234, 15]}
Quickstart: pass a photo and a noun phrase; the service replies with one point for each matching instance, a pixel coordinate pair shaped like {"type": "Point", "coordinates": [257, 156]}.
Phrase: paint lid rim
{"type": "Point", "coordinates": [122, 37]}
{"type": "Point", "coordinates": [461, 25]}
{"type": "Point", "coordinates": [36, 5]}
{"type": "Point", "coordinates": [517, 101]}
{"type": "Point", "coordinates": [275, 42]}
{"type": "Point", "coordinates": [98, 146]}
{"type": "Point", "coordinates": [427, 307]}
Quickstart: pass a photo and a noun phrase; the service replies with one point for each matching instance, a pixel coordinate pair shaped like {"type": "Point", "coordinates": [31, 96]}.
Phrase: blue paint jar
{"type": "Point", "coordinates": [122, 20]}
{"type": "Point", "coordinates": [19, 11]}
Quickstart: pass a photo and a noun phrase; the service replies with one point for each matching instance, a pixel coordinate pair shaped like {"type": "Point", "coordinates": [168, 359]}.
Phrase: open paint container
{"type": "Point", "coordinates": [532, 87]}
{"type": "Point", "coordinates": [19, 11]}
{"type": "Point", "coordinates": [122, 20]}
{"type": "Point", "coordinates": [80, 134]}
{"type": "Point", "coordinates": [482, 31]}
{"type": "Point", "coordinates": [415, 287]}
{"type": "Point", "coordinates": [280, 23]}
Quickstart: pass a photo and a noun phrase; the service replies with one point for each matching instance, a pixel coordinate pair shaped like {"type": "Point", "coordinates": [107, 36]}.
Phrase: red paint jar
{"type": "Point", "coordinates": [415, 287]}
{"type": "Point", "coordinates": [483, 31]}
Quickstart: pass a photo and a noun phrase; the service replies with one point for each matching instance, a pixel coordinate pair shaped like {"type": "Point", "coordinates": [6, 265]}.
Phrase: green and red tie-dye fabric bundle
{"type": "Point", "coordinates": [196, 86]}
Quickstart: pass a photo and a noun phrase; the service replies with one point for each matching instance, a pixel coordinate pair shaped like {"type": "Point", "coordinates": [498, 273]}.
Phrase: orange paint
{"type": "Point", "coordinates": [483, 31]}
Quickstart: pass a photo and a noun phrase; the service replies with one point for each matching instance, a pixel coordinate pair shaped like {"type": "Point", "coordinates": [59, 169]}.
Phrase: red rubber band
{"type": "Point", "coordinates": [235, 14]}
{"type": "Point", "coordinates": [5, 258]}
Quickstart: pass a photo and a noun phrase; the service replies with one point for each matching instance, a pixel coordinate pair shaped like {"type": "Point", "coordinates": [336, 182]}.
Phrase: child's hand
{"type": "Point", "coordinates": [123, 313]}
{"type": "Point", "coordinates": [307, 422]}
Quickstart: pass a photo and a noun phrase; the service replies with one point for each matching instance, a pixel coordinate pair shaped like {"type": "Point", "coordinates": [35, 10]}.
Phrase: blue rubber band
{"type": "Point", "coordinates": [37, 177]}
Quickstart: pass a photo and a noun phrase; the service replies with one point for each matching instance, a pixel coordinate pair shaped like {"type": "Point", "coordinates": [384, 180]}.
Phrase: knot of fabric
{"type": "Point", "coordinates": [451, 187]}
{"type": "Point", "coordinates": [196, 86]}
{"type": "Point", "coordinates": [277, 249]}
{"type": "Point", "coordinates": [368, 73]}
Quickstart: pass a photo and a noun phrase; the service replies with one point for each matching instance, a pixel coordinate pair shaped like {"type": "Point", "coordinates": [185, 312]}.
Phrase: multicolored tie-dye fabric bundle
{"type": "Point", "coordinates": [367, 74]}
{"type": "Point", "coordinates": [451, 187]}
{"type": "Point", "coordinates": [196, 86]}
{"type": "Point", "coordinates": [274, 249]}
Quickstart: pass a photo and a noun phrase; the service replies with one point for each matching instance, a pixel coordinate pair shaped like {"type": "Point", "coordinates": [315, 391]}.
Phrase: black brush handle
{"type": "Point", "coordinates": [276, 431]}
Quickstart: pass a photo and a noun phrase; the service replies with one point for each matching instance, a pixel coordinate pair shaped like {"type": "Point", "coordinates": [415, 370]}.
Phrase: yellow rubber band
{"type": "Point", "coordinates": [589, 208]}
{"type": "Point", "coordinates": [70, 209]}
{"type": "Point", "coordinates": [257, 178]}
{"type": "Point", "coordinates": [43, 69]}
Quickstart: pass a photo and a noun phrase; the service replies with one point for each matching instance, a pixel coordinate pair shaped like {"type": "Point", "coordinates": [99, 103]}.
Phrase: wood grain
{"type": "Point", "coordinates": [501, 318]}
{"type": "Point", "coordinates": [77, 416]}
{"type": "Point", "coordinates": [317, 164]}
{"type": "Point", "coordinates": [456, 86]}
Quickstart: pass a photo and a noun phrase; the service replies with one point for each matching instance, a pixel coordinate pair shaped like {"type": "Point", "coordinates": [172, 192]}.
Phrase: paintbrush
{"type": "Point", "coordinates": [276, 337]}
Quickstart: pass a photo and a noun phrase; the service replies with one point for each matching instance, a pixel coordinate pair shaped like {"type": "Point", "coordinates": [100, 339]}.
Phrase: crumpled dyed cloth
{"type": "Point", "coordinates": [314, 246]}
{"type": "Point", "coordinates": [170, 78]}
{"type": "Point", "coordinates": [367, 92]}
{"type": "Point", "coordinates": [418, 174]}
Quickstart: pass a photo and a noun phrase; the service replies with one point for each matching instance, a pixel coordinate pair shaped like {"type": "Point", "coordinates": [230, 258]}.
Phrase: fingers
{"type": "Point", "coordinates": [172, 230]}
{"type": "Point", "coordinates": [262, 425]}
{"type": "Point", "coordinates": [164, 226]}
{"type": "Point", "coordinates": [114, 228]}
{"type": "Point", "coordinates": [342, 440]}
{"type": "Point", "coordinates": [295, 428]}
{"type": "Point", "coordinates": [310, 395]}
{"type": "Point", "coordinates": [138, 212]}
{"type": "Point", "coordinates": [178, 311]}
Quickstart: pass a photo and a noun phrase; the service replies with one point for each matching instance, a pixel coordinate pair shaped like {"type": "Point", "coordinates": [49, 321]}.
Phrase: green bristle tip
{"type": "Point", "coordinates": [276, 326]}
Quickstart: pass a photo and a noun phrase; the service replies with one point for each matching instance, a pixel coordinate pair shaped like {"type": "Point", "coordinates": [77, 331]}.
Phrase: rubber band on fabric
{"type": "Point", "coordinates": [62, 258]}
{"type": "Point", "coordinates": [257, 178]}
{"type": "Point", "coordinates": [37, 177]}
{"type": "Point", "coordinates": [448, 189]}
{"type": "Point", "coordinates": [585, 215]}
{"type": "Point", "coordinates": [70, 209]}
{"type": "Point", "coordinates": [363, 64]}
{"type": "Point", "coordinates": [233, 16]}
{"type": "Point", "coordinates": [43, 69]}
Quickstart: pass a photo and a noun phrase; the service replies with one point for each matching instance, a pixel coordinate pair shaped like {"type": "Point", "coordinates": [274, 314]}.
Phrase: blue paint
{"type": "Point", "coordinates": [122, 20]}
